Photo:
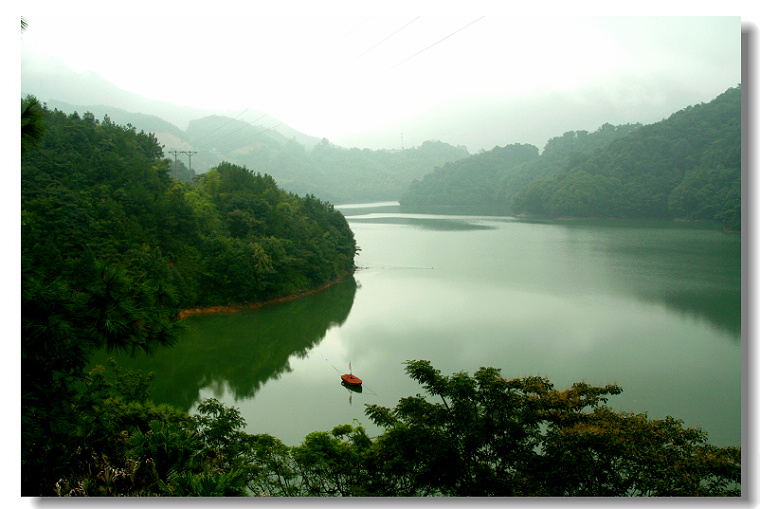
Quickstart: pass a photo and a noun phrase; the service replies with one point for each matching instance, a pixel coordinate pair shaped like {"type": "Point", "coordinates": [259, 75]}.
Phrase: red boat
{"type": "Point", "coordinates": [350, 379]}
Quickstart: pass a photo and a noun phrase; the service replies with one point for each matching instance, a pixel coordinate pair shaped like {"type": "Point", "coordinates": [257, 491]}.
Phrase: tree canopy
{"type": "Point", "coordinates": [97, 190]}
{"type": "Point", "coordinates": [479, 435]}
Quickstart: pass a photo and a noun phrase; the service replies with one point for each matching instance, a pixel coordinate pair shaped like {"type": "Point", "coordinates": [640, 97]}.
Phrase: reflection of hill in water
{"type": "Point", "coordinates": [693, 268]}
{"type": "Point", "coordinates": [242, 349]}
{"type": "Point", "coordinates": [721, 310]}
{"type": "Point", "coordinates": [427, 223]}
{"type": "Point", "coordinates": [428, 218]}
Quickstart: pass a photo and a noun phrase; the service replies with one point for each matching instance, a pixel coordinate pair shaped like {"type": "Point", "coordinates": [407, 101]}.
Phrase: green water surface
{"type": "Point", "coordinates": [652, 306]}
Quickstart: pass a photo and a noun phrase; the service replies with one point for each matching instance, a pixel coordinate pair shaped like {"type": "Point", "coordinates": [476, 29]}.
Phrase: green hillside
{"type": "Point", "coordinates": [490, 180]}
{"type": "Point", "coordinates": [99, 192]}
{"type": "Point", "coordinates": [687, 166]}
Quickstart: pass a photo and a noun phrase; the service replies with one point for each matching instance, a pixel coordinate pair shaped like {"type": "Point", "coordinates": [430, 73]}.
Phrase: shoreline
{"type": "Point", "coordinates": [236, 308]}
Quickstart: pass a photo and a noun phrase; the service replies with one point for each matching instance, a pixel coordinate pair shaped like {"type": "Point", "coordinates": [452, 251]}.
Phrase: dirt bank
{"type": "Point", "coordinates": [235, 308]}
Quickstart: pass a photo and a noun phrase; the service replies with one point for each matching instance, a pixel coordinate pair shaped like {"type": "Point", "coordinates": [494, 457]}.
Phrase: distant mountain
{"type": "Point", "coordinates": [305, 164]}
{"type": "Point", "coordinates": [687, 166]}
{"type": "Point", "coordinates": [49, 79]}
{"type": "Point", "coordinates": [54, 83]}
{"type": "Point", "coordinates": [491, 179]}
{"type": "Point", "coordinates": [300, 163]}
{"type": "Point", "coordinates": [531, 118]}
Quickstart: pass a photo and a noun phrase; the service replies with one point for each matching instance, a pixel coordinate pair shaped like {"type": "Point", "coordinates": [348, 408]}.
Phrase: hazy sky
{"type": "Point", "coordinates": [330, 75]}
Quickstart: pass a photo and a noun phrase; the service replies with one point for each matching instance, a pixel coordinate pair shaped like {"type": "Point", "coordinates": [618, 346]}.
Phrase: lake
{"type": "Point", "coordinates": [652, 306]}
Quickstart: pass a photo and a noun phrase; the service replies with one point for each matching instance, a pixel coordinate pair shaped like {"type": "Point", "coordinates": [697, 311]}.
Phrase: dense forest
{"type": "Point", "coordinates": [355, 175]}
{"type": "Point", "coordinates": [490, 180]}
{"type": "Point", "coordinates": [94, 190]}
{"type": "Point", "coordinates": [113, 247]}
{"type": "Point", "coordinates": [687, 166]}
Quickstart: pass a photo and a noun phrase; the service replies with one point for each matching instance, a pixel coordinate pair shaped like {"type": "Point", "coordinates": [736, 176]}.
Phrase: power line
{"type": "Point", "coordinates": [189, 153]}
{"type": "Point", "coordinates": [252, 136]}
{"type": "Point", "coordinates": [215, 130]}
{"type": "Point", "coordinates": [434, 44]}
{"type": "Point", "coordinates": [247, 124]}
{"type": "Point", "coordinates": [391, 35]}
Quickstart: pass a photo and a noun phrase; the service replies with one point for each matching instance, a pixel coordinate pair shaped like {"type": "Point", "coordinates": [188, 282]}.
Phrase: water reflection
{"type": "Point", "coordinates": [241, 351]}
{"type": "Point", "coordinates": [436, 223]}
{"type": "Point", "coordinates": [693, 269]}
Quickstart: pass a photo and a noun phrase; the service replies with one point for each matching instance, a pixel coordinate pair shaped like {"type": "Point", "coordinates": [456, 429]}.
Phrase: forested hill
{"type": "Point", "coordinates": [355, 175]}
{"type": "Point", "coordinates": [98, 192]}
{"type": "Point", "coordinates": [299, 163]}
{"type": "Point", "coordinates": [332, 173]}
{"type": "Point", "coordinates": [489, 180]}
{"type": "Point", "coordinates": [687, 166]}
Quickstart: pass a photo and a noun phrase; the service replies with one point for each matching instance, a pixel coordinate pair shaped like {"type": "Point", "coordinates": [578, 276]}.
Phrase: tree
{"type": "Point", "coordinates": [484, 435]}
{"type": "Point", "coordinates": [32, 122]}
{"type": "Point", "coordinates": [133, 447]}
{"type": "Point", "coordinates": [490, 436]}
{"type": "Point", "coordinates": [480, 435]}
{"type": "Point", "coordinates": [61, 325]}
{"type": "Point", "coordinates": [113, 248]}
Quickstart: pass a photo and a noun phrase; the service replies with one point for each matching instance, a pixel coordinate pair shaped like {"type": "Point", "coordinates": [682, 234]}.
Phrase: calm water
{"type": "Point", "coordinates": [654, 307]}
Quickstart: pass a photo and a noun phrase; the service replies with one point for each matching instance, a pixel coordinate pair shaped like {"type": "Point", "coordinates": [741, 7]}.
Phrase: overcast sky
{"type": "Point", "coordinates": [333, 75]}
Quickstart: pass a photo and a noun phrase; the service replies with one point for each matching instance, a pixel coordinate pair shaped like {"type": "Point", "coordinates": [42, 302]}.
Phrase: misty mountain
{"type": "Point", "coordinates": [199, 139]}
{"type": "Point", "coordinates": [141, 121]}
{"type": "Point", "coordinates": [491, 179]}
{"type": "Point", "coordinates": [482, 123]}
{"type": "Point", "coordinates": [329, 172]}
{"type": "Point", "coordinates": [305, 164]}
{"type": "Point", "coordinates": [300, 163]}
{"type": "Point", "coordinates": [49, 79]}
{"type": "Point", "coordinates": [56, 84]}
{"type": "Point", "coordinates": [687, 166]}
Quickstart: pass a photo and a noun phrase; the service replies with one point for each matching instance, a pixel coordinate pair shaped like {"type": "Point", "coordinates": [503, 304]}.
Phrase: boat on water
{"type": "Point", "coordinates": [351, 388]}
{"type": "Point", "coordinates": [351, 379]}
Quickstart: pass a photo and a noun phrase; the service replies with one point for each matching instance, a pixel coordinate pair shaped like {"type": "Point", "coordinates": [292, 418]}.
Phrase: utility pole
{"type": "Point", "coordinates": [402, 142]}
{"type": "Point", "coordinates": [176, 167]}
{"type": "Point", "coordinates": [189, 160]}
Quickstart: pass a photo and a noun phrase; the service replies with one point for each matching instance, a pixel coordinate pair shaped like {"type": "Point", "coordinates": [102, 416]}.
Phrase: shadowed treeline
{"type": "Point", "coordinates": [248, 348]}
